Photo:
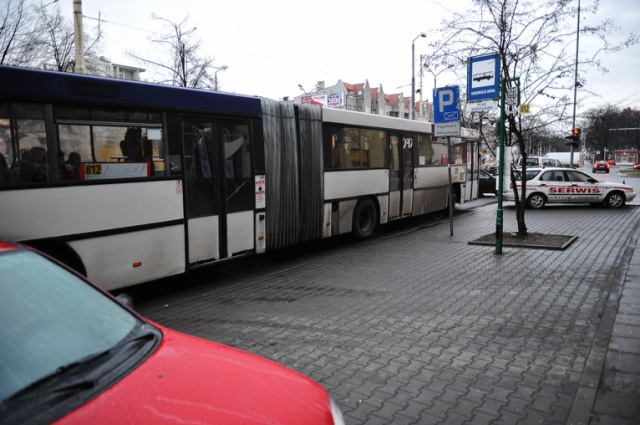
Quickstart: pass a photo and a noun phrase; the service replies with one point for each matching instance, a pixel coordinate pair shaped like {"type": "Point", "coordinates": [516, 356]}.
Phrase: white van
{"type": "Point", "coordinates": [541, 161]}
{"type": "Point", "coordinates": [565, 158]}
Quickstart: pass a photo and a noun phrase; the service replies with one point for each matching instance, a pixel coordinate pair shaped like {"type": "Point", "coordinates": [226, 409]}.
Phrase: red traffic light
{"type": "Point", "coordinates": [575, 135]}
{"type": "Point", "coordinates": [574, 138]}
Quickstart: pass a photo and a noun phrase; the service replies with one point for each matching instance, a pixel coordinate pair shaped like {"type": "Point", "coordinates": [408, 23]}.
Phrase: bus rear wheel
{"type": "Point", "coordinates": [364, 219]}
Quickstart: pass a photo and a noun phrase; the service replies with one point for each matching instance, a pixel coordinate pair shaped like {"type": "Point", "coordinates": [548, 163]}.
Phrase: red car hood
{"type": "Point", "coordinates": [188, 380]}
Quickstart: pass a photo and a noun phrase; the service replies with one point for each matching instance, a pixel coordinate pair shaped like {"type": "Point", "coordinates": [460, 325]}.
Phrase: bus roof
{"type": "Point", "coordinates": [27, 84]}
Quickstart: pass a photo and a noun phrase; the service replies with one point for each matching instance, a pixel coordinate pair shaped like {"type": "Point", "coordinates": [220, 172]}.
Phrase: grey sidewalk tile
{"type": "Point", "coordinates": [419, 327]}
{"type": "Point", "coordinates": [624, 345]}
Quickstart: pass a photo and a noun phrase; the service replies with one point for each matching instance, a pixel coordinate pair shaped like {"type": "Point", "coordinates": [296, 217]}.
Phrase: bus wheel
{"type": "Point", "coordinates": [364, 218]}
{"type": "Point", "coordinates": [456, 196]}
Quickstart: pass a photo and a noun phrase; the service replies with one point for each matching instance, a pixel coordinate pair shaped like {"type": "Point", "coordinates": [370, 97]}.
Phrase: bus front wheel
{"type": "Point", "coordinates": [364, 218]}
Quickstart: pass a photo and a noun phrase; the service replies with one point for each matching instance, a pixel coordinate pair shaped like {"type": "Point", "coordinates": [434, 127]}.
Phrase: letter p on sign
{"type": "Point", "coordinates": [445, 98]}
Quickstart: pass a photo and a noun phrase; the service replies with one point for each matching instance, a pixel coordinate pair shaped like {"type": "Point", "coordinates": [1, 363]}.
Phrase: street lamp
{"type": "Point", "coordinates": [215, 76]}
{"type": "Point", "coordinates": [413, 74]}
{"type": "Point", "coordinates": [437, 73]}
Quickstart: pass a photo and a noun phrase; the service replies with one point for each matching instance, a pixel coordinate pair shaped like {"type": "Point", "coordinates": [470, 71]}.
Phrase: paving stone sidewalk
{"type": "Point", "coordinates": [419, 327]}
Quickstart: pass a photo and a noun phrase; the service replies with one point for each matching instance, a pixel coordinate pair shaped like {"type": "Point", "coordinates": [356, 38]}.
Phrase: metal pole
{"type": "Point", "coordinates": [499, 226]}
{"type": "Point", "coordinates": [575, 83]}
{"type": "Point", "coordinates": [413, 76]}
{"type": "Point", "coordinates": [421, 106]}
{"type": "Point", "coordinates": [450, 186]}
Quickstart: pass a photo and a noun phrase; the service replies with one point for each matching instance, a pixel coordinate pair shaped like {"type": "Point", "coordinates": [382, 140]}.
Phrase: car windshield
{"type": "Point", "coordinates": [50, 319]}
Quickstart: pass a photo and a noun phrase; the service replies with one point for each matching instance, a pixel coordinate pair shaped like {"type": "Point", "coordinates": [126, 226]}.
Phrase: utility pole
{"type": "Point", "coordinates": [78, 37]}
{"type": "Point", "coordinates": [421, 105]}
{"type": "Point", "coordinates": [413, 76]}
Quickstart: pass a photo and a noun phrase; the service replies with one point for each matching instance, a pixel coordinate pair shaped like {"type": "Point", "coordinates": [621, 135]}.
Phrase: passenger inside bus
{"type": "Point", "coordinates": [131, 145]}
{"type": "Point", "coordinates": [31, 167]}
{"type": "Point", "coordinates": [5, 175]}
{"type": "Point", "coordinates": [74, 160]}
{"type": "Point", "coordinates": [65, 169]}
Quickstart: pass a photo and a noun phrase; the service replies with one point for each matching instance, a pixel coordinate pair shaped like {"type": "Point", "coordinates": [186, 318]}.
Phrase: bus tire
{"type": "Point", "coordinates": [456, 195]}
{"type": "Point", "coordinates": [365, 218]}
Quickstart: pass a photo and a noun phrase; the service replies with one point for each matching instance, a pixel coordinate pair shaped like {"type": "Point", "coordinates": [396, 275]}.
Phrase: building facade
{"type": "Point", "coordinates": [362, 97]}
{"type": "Point", "coordinates": [103, 67]}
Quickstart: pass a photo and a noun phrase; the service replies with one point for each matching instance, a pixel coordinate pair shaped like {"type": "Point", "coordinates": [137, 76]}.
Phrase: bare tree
{"type": "Point", "coordinates": [33, 34]}
{"type": "Point", "coordinates": [19, 41]}
{"type": "Point", "coordinates": [536, 43]}
{"type": "Point", "coordinates": [57, 37]}
{"type": "Point", "coordinates": [608, 127]}
{"type": "Point", "coordinates": [184, 67]}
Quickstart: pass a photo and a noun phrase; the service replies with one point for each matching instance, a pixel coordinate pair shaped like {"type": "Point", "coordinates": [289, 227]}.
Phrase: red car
{"type": "Point", "coordinates": [601, 166]}
{"type": "Point", "coordinates": [72, 354]}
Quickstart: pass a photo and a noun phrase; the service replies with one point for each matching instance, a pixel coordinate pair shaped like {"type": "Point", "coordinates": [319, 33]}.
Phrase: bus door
{"type": "Point", "coordinates": [219, 198]}
{"type": "Point", "coordinates": [401, 176]}
{"type": "Point", "coordinates": [473, 172]}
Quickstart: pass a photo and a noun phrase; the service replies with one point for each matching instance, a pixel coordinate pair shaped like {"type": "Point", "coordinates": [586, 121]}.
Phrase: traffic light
{"type": "Point", "coordinates": [574, 138]}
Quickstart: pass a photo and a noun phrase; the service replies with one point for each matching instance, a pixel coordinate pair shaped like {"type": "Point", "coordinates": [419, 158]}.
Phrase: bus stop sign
{"type": "Point", "coordinates": [483, 77]}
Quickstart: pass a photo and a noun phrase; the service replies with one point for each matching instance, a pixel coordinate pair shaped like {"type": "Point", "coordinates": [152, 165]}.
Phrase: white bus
{"type": "Point", "coordinates": [128, 182]}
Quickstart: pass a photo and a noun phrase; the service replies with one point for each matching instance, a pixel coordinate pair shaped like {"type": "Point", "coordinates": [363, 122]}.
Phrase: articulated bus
{"type": "Point", "coordinates": [128, 182]}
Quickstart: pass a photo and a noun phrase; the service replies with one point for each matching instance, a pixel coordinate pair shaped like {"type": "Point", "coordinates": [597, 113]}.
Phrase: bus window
{"type": "Point", "coordinates": [440, 153]}
{"type": "Point", "coordinates": [124, 138]}
{"type": "Point", "coordinates": [202, 193]}
{"type": "Point", "coordinates": [6, 147]}
{"type": "Point", "coordinates": [459, 153]}
{"type": "Point", "coordinates": [237, 166]}
{"type": "Point", "coordinates": [425, 150]}
{"type": "Point", "coordinates": [357, 148]}
{"type": "Point", "coordinates": [25, 143]}
{"type": "Point", "coordinates": [373, 142]}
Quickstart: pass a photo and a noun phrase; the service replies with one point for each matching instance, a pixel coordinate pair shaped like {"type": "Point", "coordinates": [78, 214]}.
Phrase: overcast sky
{"type": "Point", "coordinates": [270, 47]}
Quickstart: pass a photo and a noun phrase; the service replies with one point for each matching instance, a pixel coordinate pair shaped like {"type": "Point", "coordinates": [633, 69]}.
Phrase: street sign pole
{"type": "Point", "coordinates": [450, 186]}
{"type": "Point", "coordinates": [499, 225]}
{"type": "Point", "coordinates": [446, 117]}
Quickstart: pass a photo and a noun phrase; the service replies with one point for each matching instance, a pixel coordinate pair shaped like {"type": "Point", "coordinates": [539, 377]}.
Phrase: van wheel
{"type": "Point", "coordinates": [364, 219]}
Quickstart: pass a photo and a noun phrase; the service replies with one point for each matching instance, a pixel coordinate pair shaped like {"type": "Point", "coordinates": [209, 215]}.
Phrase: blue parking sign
{"type": "Point", "coordinates": [446, 104]}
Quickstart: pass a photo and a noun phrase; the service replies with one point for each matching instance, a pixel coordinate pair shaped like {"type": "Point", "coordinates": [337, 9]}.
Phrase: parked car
{"type": "Point", "coordinates": [568, 185]}
{"type": "Point", "coordinates": [70, 353]}
{"type": "Point", "coordinates": [487, 184]}
{"type": "Point", "coordinates": [600, 166]}
{"type": "Point", "coordinates": [541, 161]}
{"type": "Point", "coordinates": [490, 167]}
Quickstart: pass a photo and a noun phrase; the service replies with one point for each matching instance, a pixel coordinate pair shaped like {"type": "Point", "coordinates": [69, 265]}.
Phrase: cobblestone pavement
{"type": "Point", "coordinates": [415, 326]}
